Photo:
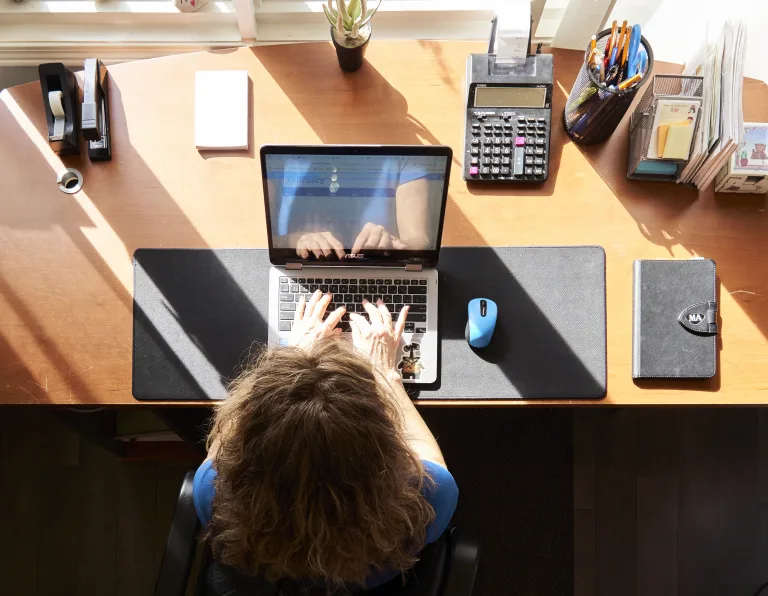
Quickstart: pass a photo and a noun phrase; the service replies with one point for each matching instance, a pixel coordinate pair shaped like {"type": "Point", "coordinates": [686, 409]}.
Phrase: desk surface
{"type": "Point", "coordinates": [65, 261]}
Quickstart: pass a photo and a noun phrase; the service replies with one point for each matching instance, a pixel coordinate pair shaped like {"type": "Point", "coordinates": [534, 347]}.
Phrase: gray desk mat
{"type": "Point", "coordinates": [200, 314]}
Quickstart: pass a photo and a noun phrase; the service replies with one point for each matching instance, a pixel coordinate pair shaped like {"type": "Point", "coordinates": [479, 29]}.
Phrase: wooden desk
{"type": "Point", "coordinates": [65, 261]}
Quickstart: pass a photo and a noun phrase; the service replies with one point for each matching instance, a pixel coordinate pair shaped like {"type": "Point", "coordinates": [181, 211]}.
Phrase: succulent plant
{"type": "Point", "coordinates": [349, 18]}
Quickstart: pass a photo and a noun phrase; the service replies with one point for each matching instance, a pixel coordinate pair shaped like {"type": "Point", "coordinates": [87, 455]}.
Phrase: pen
{"type": "Point", "coordinates": [634, 43]}
{"type": "Point", "coordinates": [614, 53]}
{"type": "Point", "coordinates": [643, 62]}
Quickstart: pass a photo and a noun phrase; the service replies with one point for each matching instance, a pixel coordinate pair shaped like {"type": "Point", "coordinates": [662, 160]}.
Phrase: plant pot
{"type": "Point", "coordinates": [350, 59]}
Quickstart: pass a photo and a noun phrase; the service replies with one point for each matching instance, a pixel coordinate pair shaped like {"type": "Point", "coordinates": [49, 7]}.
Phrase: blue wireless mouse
{"type": "Point", "coordinates": [482, 320]}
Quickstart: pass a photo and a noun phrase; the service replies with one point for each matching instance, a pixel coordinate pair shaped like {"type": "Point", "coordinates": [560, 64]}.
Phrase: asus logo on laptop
{"type": "Point", "coordinates": [354, 256]}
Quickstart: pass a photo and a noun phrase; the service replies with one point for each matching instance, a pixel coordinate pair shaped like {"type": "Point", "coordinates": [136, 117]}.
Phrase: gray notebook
{"type": "Point", "coordinates": [674, 319]}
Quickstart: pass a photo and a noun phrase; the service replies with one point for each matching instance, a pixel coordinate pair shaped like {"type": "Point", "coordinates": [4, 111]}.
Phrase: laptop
{"type": "Point", "coordinates": [358, 222]}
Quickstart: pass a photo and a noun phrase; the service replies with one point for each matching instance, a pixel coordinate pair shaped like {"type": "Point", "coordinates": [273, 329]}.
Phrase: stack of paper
{"type": "Point", "coordinates": [221, 109]}
{"type": "Point", "coordinates": [721, 121]}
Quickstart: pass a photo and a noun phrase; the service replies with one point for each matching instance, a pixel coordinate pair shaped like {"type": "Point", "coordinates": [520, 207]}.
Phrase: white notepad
{"type": "Point", "coordinates": [221, 109]}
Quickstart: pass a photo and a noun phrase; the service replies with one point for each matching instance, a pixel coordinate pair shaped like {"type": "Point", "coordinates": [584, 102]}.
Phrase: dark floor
{"type": "Point", "coordinates": [514, 471]}
{"type": "Point", "coordinates": [641, 502]}
{"type": "Point", "coordinates": [670, 502]}
{"type": "Point", "coordinates": [73, 518]}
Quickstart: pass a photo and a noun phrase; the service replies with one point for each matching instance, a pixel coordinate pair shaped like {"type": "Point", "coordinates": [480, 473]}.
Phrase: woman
{"type": "Point", "coordinates": [320, 468]}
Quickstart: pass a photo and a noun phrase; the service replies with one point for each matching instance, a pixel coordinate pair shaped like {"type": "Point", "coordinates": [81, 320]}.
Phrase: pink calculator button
{"type": "Point", "coordinates": [473, 171]}
{"type": "Point", "coordinates": [519, 141]}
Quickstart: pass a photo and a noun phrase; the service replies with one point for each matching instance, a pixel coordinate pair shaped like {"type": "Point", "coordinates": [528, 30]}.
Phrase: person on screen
{"type": "Point", "coordinates": [319, 466]}
{"type": "Point", "coordinates": [326, 208]}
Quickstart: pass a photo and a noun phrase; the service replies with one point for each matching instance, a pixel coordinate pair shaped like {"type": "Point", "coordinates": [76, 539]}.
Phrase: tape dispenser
{"type": "Point", "coordinates": [60, 98]}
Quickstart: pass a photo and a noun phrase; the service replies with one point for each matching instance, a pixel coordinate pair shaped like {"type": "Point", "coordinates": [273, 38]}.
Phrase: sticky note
{"type": "Point", "coordinates": [661, 138]}
{"type": "Point", "coordinates": [678, 142]}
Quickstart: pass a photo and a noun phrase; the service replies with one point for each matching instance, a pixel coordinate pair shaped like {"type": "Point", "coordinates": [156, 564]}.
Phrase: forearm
{"type": "Point", "coordinates": [413, 214]}
{"type": "Point", "coordinates": [417, 433]}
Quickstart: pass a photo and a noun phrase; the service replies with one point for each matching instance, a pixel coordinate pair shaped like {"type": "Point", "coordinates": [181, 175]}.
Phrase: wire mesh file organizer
{"type": "Point", "coordinates": [640, 166]}
{"type": "Point", "coordinates": [594, 110]}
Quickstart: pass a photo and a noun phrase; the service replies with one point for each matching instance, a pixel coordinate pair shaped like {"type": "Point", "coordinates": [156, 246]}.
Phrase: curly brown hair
{"type": "Point", "coordinates": [315, 478]}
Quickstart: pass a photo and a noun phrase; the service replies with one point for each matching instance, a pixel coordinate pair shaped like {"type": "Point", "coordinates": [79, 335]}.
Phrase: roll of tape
{"type": "Point", "coordinates": [70, 181]}
{"type": "Point", "coordinates": [55, 100]}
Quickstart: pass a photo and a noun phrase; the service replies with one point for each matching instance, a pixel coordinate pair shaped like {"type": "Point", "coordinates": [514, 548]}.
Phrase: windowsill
{"type": "Point", "coordinates": [37, 8]}
{"type": "Point", "coordinates": [67, 31]}
{"type": "Point", "coordinates": [34, 32]}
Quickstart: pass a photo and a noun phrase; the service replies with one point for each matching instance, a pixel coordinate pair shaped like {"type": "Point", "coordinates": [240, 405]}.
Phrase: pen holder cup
{"type": "Point", "coordinates": [593, 111]}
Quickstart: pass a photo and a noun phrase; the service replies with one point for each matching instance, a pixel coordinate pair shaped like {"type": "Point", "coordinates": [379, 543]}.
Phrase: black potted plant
{"type": "Point", "coordinates": [350, 30]}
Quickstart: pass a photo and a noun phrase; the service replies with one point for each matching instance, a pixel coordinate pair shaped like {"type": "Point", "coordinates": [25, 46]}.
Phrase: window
{"type": "Point", "coordinates": [36, 31]}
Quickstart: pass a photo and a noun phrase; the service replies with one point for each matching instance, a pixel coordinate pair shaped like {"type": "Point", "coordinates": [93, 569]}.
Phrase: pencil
{"type": "Point", "coordinates": [593, 43]}
{"type": "Point", "coordinates": [611, 41]}
{"type": "Point", "coordinates": [626, 47]}
{"type": "Point", "coordinates": [630, 81]}
{"type": "Point", "coordinates": [623, 38]}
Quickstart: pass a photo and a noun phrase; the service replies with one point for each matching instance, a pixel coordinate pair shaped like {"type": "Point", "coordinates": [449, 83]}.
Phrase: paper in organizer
{"type": "Point", "coordinates": [721, 63]}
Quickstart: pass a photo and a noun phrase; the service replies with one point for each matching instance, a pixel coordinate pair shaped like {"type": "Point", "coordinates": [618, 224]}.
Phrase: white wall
{"type": "Point", "coordinates": [675, 27]}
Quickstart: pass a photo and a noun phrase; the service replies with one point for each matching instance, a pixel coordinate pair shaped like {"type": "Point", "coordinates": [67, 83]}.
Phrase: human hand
{"type": "Point", "coordinates": [308, 324]}
{"type": "Point", "coordinates": [375, 236]}
{"type": "Point", "coordinates": [321, 244]}
{"type": "Point", "coordinates": [378, 339]}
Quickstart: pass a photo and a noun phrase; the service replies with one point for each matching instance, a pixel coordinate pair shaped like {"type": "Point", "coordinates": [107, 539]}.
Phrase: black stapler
{"type": "Point", "coordinates": [96, 111]}
{"type": "Point", "coordinates": [60, 98]}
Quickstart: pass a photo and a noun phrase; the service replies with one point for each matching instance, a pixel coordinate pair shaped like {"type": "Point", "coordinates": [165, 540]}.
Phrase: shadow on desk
{"type": "Point", "coordinates": [549, 337]}
{"type": "Point", "coordinates": [13, 367]}
{"type": "Point", "coordinates": [122, 207]}
{"type": "Point", "coordinates": [731, 229]}
{"type": "Point", "coordinates": [312, 82]}
{"type": "Point", "coordinates": [198, 321]}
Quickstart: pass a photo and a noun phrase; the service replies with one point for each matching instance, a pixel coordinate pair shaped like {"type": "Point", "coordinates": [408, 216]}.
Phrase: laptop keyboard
{"type": "Point", "coordinates": [350, 292]}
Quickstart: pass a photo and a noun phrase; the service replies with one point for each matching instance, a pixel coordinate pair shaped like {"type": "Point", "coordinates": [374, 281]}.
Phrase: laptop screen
{"type": "Point", "coordinates": [356, 205]}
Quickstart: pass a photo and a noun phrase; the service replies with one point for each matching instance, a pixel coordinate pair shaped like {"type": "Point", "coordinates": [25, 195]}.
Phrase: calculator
{"type": "Point", "coordinates": [508, 119]}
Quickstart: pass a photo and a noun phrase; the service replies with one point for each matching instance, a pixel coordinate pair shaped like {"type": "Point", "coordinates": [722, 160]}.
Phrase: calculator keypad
{"type": "Point", "coordinates": [503, 147]}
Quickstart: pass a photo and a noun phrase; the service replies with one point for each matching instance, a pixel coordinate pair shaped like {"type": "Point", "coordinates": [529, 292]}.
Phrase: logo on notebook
{"type": "Point", "coordinates": [695, 318]}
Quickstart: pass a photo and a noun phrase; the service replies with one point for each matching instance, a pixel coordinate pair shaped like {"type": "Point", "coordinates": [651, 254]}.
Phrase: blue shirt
{"type": "Point", "coordinates": [443, 496]}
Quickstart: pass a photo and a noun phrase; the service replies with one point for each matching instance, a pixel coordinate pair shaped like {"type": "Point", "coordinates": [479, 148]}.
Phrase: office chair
{"type": "Point", "coordinates": [445, 568]}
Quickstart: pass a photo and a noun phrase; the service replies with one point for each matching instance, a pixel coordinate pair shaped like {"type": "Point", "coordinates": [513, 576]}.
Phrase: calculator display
{"type": "Point", "coordinates": [510, 97]}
